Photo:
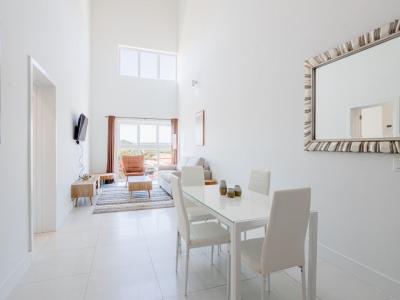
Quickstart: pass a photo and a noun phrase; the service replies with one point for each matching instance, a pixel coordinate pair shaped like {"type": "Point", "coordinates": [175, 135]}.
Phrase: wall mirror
{"type": "Point", "coordinates": [352, 95]}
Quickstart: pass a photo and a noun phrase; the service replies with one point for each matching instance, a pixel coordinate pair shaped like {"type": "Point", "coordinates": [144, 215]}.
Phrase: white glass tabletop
{"type": "Point", "coordinates": [251, 206]}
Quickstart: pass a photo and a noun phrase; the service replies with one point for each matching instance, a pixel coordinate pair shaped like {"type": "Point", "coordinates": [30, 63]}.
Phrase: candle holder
{"type": "Point", "coordinates": [223, 187]}
{"type": "Point", "coordinates": [238, 191]}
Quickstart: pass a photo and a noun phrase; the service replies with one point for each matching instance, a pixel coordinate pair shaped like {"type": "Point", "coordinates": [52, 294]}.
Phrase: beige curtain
{"type": "Point", "coordinates": [174, 132]}
{"type": "Point", "coordinates": [111, 144]}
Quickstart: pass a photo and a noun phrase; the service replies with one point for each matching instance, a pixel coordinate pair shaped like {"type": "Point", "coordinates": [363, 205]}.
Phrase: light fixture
{"type": "Point", "coordinates": [195, 83]}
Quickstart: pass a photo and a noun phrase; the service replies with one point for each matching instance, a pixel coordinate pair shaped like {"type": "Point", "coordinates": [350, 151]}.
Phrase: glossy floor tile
{"type": "Point", "coordinates": [131, 255]}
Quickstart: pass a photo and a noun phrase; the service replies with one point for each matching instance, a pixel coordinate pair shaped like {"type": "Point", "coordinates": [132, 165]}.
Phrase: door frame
{"type": "Point", "coordinates": [32, 65]}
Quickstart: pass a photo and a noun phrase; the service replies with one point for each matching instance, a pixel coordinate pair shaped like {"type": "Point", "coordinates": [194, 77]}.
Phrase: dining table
{"type": "Point", "coordinates": [238, 213]}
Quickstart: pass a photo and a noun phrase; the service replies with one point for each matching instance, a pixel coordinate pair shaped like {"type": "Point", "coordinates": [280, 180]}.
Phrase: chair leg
{"type": "Point", "coordinates": [262, 287]}
{"type": "Point", "coordinates": [228, 275]}
{"type": "Point", "coordinates": [269, 283]}
{"type": "Point", "coordinates": [178, 237]}
{"type": "Point", "coordinates": [219, 246]}
{"type": "Point", "coordinates": [212, 254]}
{"type": "Point", "coordinates": [245, 235]}
{"type": "Point", "coordinates": [303, 282]}
{"type": "Point", "coordinates": [187, 269]}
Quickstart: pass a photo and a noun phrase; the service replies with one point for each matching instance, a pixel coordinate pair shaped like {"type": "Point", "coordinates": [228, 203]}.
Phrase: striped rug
{"type": "Point", "coordinates": [117, 198]}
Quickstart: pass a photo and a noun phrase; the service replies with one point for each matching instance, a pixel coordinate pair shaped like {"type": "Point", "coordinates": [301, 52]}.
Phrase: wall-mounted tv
{"type": "Point", "coordinates": [80, 129]}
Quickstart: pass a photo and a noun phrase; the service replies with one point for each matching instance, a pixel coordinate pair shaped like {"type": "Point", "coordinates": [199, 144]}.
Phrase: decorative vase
{"type": "Point", "coordinates": [238, 191]}
{"type": "Point", "coordinates": [231, 193]}
{"type": "Point", "coordinates": [223, 187]}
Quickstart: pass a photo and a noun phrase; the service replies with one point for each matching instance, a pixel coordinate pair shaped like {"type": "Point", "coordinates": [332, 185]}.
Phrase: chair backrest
{"type": "Point", "coordinates": [260, 181]}
{"type": "Point", "coordinates": [182, 217]}
{"type": "Point", "coordinates": [132, 163]}
{"type": "Point", "coordinates": [283, 246]}
{"type": "Point", "coordinates": [192, 176]}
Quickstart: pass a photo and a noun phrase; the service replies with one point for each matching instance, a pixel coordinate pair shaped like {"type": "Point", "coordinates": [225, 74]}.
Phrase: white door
{"type": "Point", "coordinates": [372, 122]}
{"type": "Point", "coordinates": [43, 156]}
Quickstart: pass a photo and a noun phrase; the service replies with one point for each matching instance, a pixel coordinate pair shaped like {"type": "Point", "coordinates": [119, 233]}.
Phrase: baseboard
{"type": "Point", "coordinates": [14, 277]}
{"type": "Point", "coordinates": [388, 285]}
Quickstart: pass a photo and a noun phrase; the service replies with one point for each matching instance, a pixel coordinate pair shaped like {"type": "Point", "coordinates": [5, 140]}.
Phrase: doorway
{"type": "Point", "coordinates": [42, 100]}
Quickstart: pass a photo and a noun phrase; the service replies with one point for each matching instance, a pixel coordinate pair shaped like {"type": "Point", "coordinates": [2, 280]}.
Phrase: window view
{"type": "Point", "coordinates": [153, 140]}
{"type": "Point", "coordinates": [167, 67]}
{"type": "Point", "coordinates": [129, 62]}
{"type": "Point", "coordinates": [147, 64]}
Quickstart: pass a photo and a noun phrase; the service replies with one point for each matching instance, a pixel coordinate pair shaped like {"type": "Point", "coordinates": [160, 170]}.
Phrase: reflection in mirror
{"type": "Point", "coordinates": [357, 97]}
{"type": "Point", "coordinates": [375, 121]}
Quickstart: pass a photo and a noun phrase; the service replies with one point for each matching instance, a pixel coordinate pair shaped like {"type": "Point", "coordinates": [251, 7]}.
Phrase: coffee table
{"type": "Point", "coordinates": [140, 183]}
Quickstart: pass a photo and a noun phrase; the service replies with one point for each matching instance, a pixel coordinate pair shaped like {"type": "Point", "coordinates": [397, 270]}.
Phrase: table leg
{"type": "Point", "coordinates": [90, 198]}
{"type": "Point", "coordinates": [235, 262]}
{"type": "Point", "coordinates": [312, 256]}
{"type": "Point", "coordinates": [148, 191]}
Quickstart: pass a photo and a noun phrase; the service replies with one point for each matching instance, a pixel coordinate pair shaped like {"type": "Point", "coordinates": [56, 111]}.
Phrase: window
{"type": "Point", "coordinates": [167, 67]}
{"type": "Point", "coordinates": [149, 138]}
{"type": "Point", "coordinates": [165, 136]}
{"type": "Point", "coordinates": [148, 134]}
{"type": "Point", "coordinates": [129, 134]}
{"type": "Point", "coordinates": [129, 62]}
{"type": "Point", "coordinates": [148, 64]}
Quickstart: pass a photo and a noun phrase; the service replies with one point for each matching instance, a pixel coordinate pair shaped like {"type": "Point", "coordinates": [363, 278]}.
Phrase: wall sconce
{"type": "Point", "coordinates": [195, 83]}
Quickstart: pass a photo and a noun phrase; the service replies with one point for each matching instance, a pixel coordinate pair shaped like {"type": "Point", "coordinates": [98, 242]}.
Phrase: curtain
{"type": "Point", "coordinates": [110, 144]}
{"type": "Point", "coordinates": [174, 132]}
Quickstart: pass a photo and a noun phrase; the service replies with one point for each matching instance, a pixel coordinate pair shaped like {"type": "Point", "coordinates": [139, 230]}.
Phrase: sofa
{"type": "Point", "coordinates": [165, 172]}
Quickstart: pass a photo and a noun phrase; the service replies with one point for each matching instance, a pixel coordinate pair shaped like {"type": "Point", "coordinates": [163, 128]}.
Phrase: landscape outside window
{"type": "Point", "coordinates": [153, 140]}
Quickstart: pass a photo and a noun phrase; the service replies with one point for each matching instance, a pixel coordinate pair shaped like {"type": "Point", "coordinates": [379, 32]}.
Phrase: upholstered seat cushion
{"type": "Point", "coordinates": [210, 233]}
{"type": "Point", "coordinates": [134, 173]}
{"type": "Point", "coordinates": [251, 253]}
{"type": "Point", "coordinates": [166, 175]}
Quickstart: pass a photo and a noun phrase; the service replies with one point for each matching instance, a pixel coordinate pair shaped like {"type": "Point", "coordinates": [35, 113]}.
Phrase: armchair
{"type": "Point", "coordinates": [132, 165]}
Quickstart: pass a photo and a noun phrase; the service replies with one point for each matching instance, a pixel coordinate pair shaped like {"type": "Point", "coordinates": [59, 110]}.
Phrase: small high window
{"type": "Point", "coordinates": [149, 64]}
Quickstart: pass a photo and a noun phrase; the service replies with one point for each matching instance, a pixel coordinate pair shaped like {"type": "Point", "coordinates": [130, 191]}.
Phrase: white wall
{"type": "Point", "coordinates": [147, 24]}
{"type": "Point", "coordinates": [56, 34]}
{"type": "Point", "coordinates": [248, 58]}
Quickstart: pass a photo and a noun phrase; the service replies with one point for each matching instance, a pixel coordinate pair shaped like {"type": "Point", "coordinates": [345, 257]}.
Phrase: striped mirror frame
{"type": "Point", "coordinates": [363, 42]}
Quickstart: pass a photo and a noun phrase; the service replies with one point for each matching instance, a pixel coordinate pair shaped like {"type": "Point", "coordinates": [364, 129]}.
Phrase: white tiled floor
{"type": "Point", "coordinates": [131, 255]}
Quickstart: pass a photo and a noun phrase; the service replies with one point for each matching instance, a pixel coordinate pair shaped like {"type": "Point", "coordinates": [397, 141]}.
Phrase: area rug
{"type": "Point", "coordinates": [117, 198]}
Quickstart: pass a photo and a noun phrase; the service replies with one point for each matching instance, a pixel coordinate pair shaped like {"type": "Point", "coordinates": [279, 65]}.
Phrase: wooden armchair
{"type": "Point", "coordinates": [132, 165]}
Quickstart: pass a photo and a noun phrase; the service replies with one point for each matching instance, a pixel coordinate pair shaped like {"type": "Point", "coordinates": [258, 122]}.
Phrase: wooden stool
{"type": "Point", "coordinates": [105, 176]}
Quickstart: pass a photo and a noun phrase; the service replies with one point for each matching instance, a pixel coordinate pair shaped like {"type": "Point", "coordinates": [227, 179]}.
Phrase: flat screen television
{"type": "Point", "coordinates": [80, 129]}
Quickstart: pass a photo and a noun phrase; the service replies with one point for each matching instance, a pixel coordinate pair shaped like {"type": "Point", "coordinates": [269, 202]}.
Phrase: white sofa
{"type": "Point", "coordinates": [165, 172]}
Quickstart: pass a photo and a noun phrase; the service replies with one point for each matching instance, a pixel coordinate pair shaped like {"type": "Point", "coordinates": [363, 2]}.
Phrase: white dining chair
{"type": "Point", "coordinates": [260, 183]}
{"type": "Point", "coordinates": [283, 246]}
{"type": "Point", "coordinates": [194, 235]}
{"type": "Point", "coordinates": [194, 176]}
